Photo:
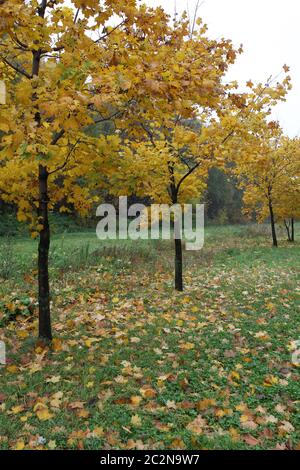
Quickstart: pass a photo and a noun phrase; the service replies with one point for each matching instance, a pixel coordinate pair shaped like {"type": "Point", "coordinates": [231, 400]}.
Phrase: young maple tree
{"type": "Point", "coordinates": [199, 127]}
{"type": "Point", "coordinates": [165, 156]}
{"type": "Point", "coordinates": [66, 68]}
{"type": "Point", "coordinates": [287, 197]}
{"type": "Point", "coordinates": [270, 177]}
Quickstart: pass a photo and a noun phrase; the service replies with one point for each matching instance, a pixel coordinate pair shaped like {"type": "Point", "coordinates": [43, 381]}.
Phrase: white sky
{"type": "Point", "coordinates": [270, 33]}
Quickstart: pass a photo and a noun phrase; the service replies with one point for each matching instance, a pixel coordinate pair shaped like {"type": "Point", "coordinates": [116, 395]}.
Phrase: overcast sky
{"type": "Point", "coordinates": [270, 33]}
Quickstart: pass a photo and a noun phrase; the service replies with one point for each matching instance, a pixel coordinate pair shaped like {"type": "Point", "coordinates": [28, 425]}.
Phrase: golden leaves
{"type": "Point", "coordinates": [42, 411]}
{"type": "Point", "coordinates": [20, 445]}
{"type": "Point", "coordinates": [44, 414]}
{"type": "Point", "coordinates": [56, 345]}
{"type": "Point", "coordinates": [147, 392]}
{"type": "Point", "coordinates": [270, 380]}
{"type": "Point", "coordinates": [188, 346]}
{"type": "Point", "coordinates": [205, 404]}
{"type": "Point", "coordinates": [54, 379]}
{"type": "Point", "coordinates": [136, 421]}
{"type": "Point", "coordinates": [17, 409]}
{"type": "Point", "coordinates": [12, 369]}
{"type": "Point", "coordinates": [136, 400]}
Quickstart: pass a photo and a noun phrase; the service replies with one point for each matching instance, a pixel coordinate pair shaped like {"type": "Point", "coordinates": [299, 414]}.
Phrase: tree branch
{"type": "Point", "coordinates": [57, 137]}
{"type": "Point", "coordinates": [61, 167]}
{"type": "Point", "coordinates": [149, 133]}
{"type": "Point", "coordinates": [109, 118]}
{"type": "Point", "coordinates": [186, 176]}
{"type": "Point", "coordinates": [17, 68]}
{"type": "Point", "coordinates": [111, 31]}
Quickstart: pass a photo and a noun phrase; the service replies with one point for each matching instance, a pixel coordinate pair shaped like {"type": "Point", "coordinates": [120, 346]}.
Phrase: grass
{"type": "Point", "coordinates": [135, 364]}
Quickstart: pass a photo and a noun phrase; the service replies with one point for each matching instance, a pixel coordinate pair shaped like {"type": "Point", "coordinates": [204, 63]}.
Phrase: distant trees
{"type": "Point", "coordinates": [223, 198]}
{"type": "Point", "coordinates": [270, 177]}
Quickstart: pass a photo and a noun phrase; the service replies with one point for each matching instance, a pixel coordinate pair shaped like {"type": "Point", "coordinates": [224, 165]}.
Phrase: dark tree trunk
{"type": "Point", "coordinates": [293, 229]}
{"type": "Point", "coordinates": [290, 228]}
{"type": "Point", "coordinates": [273, 228]}
{"type": "Point", "coordinates": [177, 237]}
{"type": "Point", "coordinates": [272, 220]}
{"type": "Point", "coordinates": [43, 258]}
{"type": "Point", "coordinates": [178, 265]}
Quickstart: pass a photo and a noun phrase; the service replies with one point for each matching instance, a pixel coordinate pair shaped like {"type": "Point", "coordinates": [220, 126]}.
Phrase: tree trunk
{"type": "Point", "coordinates": [43, 258]}
{"type": "Point", "coordinates": [178, 265]}
{"type": "Point", "coordinates": [293, 229]}
{"type": "Point", "coordinates": [272, 219]}
{"type": "Point", "coordinates": [287, 224]}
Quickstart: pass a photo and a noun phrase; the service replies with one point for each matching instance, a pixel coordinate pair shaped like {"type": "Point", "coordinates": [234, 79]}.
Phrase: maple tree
{"type": "Point", "coordinates": [67, 69]}
{"type": "Point", "coordinates": [270, 176]}
{"type": "Point", "coordinates": [169, 162]}
{"type": "Point", "coordinates": [168, 147]}
{"type": "Point", "coordinates": [287, 205]}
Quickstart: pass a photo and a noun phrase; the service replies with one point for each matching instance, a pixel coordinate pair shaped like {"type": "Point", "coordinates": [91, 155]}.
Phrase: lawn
{"type": "Point", "coordinates": [135, 365]}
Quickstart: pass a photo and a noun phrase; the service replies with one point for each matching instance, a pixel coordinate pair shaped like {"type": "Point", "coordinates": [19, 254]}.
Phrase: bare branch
{"type": "Point", "coordinates": [186, 176]}
{"type": "Point", "coordinates": [111, 31]}
{"type": "Point", "coordinates": [109, 118]}
{"type": "Point", "coordinates": [21, 44]}
{"type": "Point", "coordinates": [42, 8]}
{"type": "Point", "coordinates": [17, 68]}
{"type": "Point", "coordinates": [76, 15]}
{"type": "Point", "coordinates": [57, 137]}
{"type": "Point", "coordinates": [61, 167]}
{"type": "Point", "coordinates": [149, 133]}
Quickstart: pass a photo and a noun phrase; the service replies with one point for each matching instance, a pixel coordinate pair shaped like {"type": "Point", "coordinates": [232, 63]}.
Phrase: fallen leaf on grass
{"type": "Point", "coordinates": [206, 403]}
{"type": "Point", "coordinates": [136, 421]}
{"type": "Point", "coordinates": [147, 392]}
{"type": "Point", "coordinates": [54, 379]}
{"type": "Point", "coordinates": [44, 414]}
{"type": "Point", "coordinates": [19, 445]}
{"type": "Point", "coordinates": [251, 441]}
{"type": "Point", "coordinates": [197, 425]}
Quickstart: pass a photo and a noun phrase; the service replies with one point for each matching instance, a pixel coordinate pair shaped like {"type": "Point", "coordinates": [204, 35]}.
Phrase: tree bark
{"type": "Point", "coordinates": [293, 229]}
{"type": "Point", "coordinates": [178, 265]}
{"type": "Point", "coordinates": [273, 228]}
{"type": "Point", "coordinates": [43, 258]}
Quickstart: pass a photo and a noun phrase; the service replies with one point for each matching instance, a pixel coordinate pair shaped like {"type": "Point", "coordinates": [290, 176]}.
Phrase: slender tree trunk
{"type": "Point", "coordinates": [287, 224]}
{"type": "Point", "coordinates": [43, 258]}
{"type": "Point", "coordinates": [293, 229]}
{"type": "Point", "coordinates": [178, 265]}
{"type": "Point", "coordinates": [177, 237]}
{"type": "Point", "coordinates": [273, 228]}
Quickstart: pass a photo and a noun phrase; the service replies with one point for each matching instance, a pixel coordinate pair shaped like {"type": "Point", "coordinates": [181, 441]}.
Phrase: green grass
{"type": "Point", "coordinates": [220, 350]}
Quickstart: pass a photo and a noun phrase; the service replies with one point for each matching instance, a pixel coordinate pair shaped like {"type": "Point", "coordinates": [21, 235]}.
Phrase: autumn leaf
{"type": "Point", "coordinates": [20, 445]}
{"type": "Point", "coordinates": [54, 379]}
{"type": "Point", "coordinates": [147, 392]}
{"type": "Point", "coordinates": [250, 440]}
{"type": "Point", "coordinates": [43, 414]}
{"type": "Point", "coordinates": [136, 421]}
{"type": "Point", "coordinates": [205, 404]}
{"type": "Point", "coordinates": [197, 426]}
{"type": "Point", "coordinates": [52, 445]}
